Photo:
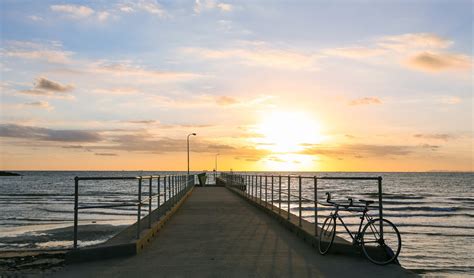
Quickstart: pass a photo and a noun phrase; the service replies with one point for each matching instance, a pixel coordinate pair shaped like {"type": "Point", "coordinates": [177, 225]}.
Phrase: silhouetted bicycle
{"type": "Point", "coordinates": [379, 239]}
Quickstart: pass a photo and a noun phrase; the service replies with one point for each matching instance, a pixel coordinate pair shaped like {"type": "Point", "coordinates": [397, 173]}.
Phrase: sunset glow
{"type": "Point", "coordinates": [117, 85]}
{"type": "Point", "coordinates": [287, 132]}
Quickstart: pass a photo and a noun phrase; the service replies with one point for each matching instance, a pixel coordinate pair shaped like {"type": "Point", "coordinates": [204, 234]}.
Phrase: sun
{"type": "Point", "coordinates": [287, 132]}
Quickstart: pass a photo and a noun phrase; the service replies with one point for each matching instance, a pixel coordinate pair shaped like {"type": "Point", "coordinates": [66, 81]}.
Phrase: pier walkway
{"type": "Point", "coordinates": [216, 233]}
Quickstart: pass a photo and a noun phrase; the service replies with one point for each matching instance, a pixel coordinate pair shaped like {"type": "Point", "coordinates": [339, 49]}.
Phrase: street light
{"type": "Point", "coordinates": [193, 134]}
{"type": "Point", "coordinates": [215, 168]}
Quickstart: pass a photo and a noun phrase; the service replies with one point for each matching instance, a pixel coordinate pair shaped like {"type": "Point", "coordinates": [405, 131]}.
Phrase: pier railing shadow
{"type": "Point", "coordinates": [169, 190]}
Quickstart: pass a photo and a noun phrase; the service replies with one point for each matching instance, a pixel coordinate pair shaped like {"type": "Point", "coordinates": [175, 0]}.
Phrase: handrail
{"type": "Point", "coordinates": [174, 185]}
{"type": "Point", "coordinates": [253, 186]}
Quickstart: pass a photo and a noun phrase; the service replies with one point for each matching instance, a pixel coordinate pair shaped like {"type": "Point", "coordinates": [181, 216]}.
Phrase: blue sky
{"type": "Point", "coordinates": [384, 82]}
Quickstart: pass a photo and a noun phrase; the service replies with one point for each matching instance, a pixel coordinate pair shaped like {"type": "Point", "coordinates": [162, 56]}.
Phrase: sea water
{"type": "Point", "coordinates": [433, 211]}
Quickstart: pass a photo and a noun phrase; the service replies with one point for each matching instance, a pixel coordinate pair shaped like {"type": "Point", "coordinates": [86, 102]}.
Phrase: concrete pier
{"type": "Point", "coordinates": [216, 233]}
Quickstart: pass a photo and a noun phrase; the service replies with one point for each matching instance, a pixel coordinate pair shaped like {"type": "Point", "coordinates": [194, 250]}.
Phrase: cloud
{"type": "Point", "coordinates": [355, 52]}
{"type": "Point", "coordinates": [127, 69]}
{"type": "Point", "coordinates": [226, 100]}
{"type": "Point", "coordinates": [35, 18]}
{"type": "Point", "coordinates": [149, 6]}
{"type": "Point", "coordinates": [430, 147]}
{"type": "Point", "coordinates": [413, 41]}
{"type": "Point", "coordinates": [81, 12]}
{"type": "Point", "coordinates": [225, 7]}
{"type": "Point", "coordinates": [258, 54]}
{"type": "Point", "coordinates": [106, 154]}
{"type": "Point", "coordinates": [117, 91]}
{"type": "Point", "coordinates": [419, 51]}
{"type": "Point", "coordinates": [208, 5]}
{"type": "Point", "coordinates": [144, 122]}
{"type": "Point", "coordinates": [435, 136]}
{"type": "Point", "coordinates": [46, 87]}
{"type": "Point", "coordinates": [435, 62]}
{"type": "Point", "coordinates": [359, 149]}
{"type": "Point", "coordinates": [75, 11]}
{"type": "Point", "coordinates": [365, 101]}
{"type": "Point", "coordinates": [147, 143]}
{"type": "Point", "coordinates": [103, 16]}
{"type": "Point", "coordinates": [40, 104]}
{"type": "Point", "coordinates": [450, 100]}
{"type": "Point", "coordinates": [46, 134]}
{"type": "Point", "coordinates": [47, 51]}
{"type": "Point", "coordinates": [73, 147]}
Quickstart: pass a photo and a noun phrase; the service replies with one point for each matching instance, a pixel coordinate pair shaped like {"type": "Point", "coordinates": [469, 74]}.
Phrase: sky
{"type": "Point", "coordinates": [266, 85]}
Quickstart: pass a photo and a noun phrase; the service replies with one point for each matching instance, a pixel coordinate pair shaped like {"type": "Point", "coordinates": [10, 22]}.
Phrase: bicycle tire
{"type": "Point", "coordinates": [381, 251]}
{"type": "Point", "coordinates": [327, 234]}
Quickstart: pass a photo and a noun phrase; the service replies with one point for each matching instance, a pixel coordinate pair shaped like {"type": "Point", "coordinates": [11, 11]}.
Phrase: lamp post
{"type": "Point", "coordinates": [193, 134]}
{"type": "Point", "coordinates": [215, 168]}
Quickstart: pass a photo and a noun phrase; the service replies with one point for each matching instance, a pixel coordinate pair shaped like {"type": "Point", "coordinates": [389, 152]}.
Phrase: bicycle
{"type": "Point", "coordinates": [379, 239]}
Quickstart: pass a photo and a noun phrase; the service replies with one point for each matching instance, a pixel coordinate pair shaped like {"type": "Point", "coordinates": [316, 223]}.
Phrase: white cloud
{"type": "Point", "coordinates": [48, 51]}
{"type": "Point", "coordinates": [225, 7]}
{"type": "Point", "coordinates": [354, 52]}
{"type": "Point", "coordinates": [208, 5]}
{"type": "Point", "coordinates": [450, 100]}
{"type": "Point", "coordinates": [149, 6]}
{"type": "Point", "coordinates": [413, 41]}
{"type": "Point", "coordinates": [35, 18]}
{"type": "Point", "coordinates": [75, 11]}
{"type": "Point", "coordinates": [130, 70]}
{"type": "Point", "coordinates": [102, 16]}
{"type": "Point", "coordinates": [258, 54]}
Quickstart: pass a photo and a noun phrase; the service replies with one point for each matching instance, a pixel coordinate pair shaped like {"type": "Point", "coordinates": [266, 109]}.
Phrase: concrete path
{"type": "Point", "coordinates": [217, 234]}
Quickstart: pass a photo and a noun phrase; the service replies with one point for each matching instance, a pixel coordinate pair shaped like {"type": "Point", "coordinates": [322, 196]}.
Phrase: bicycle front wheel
{"type": "Point", "coordinates": [381, 249]}
{"type": "Point", "coordinates": [327, 233]}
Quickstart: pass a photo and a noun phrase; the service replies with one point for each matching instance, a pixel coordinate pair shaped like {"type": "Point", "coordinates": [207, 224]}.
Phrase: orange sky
{"type": "Point", "coordinates": [281, 87]}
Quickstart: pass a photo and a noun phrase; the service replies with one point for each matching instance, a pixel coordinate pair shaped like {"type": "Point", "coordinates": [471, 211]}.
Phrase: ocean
{"type": "Point", "coordinates": [433, 211]}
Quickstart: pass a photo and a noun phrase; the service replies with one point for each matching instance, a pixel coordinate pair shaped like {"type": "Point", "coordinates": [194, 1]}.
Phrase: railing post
{"type": "Point", "coordinates": [76, 208]}
{"type": "Point", "coordinates": [174, 190]}
{"type": "Point", "coordinates": [149, 201]}
{"type": "Point", "coordinates": [266, 191]}
{"type": "Point", "coordinates": [315, 206]}
{"type": "Point", "coordinates": [279, 195]}
{"type": "Point", "coordinates": [272, 192]}
{"type": "Point", "coordinates": [159, 192]}
{"type": "Point", "coordinates": [299, 197]}
{"type": "Point", "coordinates": [139, 209]}
{"type": "Point", "coordinates": [380, 206]}
{"type": "Point", "coordinates": [260, 201]}
{"type": "Point", "coordinates": [255, 186]}
{"type": "Point", "coordinates": [164, 190]}
{"type": "Point", "coordinates": [289, 194]}
{"type": "Point", "coordinates": [247, 187]}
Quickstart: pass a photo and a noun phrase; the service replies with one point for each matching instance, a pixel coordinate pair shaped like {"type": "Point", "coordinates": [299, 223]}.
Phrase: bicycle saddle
{"type": "Point", "coordinates": [367, 202]}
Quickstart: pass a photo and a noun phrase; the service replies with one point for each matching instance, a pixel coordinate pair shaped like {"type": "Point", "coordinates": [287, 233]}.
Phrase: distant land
{"type": "Point", "coordinates": [5, 173]}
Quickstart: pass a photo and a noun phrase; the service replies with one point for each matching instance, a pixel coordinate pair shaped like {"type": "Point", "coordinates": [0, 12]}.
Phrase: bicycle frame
{"type": "Point", "coordinates": [355, 237]}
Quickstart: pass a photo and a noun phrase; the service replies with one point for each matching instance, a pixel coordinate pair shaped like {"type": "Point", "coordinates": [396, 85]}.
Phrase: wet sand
{"type": "Point", "coordinates": [33, 261]}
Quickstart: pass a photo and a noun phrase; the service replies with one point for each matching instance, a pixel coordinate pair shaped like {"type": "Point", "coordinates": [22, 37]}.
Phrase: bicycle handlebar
{"type": "Point", "coordinates": [351, 202]}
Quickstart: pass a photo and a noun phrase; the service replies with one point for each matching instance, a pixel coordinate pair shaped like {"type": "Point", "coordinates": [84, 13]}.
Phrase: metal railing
{"type": "Point", "coordinates": [255, 185]}
{"type": "Point", "coordinates": [171, 187]}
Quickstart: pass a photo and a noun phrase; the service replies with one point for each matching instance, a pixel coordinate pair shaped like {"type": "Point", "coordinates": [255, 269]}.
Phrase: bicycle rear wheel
{"type": "Point", "coordinates": [326, 236]}
{"type": "Point", "coordinates": [381, 250]}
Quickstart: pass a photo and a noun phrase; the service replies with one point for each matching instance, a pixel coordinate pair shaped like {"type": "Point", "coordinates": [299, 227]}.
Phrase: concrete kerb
{"type": "Point", "coordinates": [124, 244]}
{"type": "Point", "coordinates": [305, 232]}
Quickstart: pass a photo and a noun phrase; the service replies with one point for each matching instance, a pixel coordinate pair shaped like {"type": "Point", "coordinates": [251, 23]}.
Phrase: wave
{"type": "Point", "coordinates": [424, 208]}
{"type": "Point", "coordinates": [395, 209]}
